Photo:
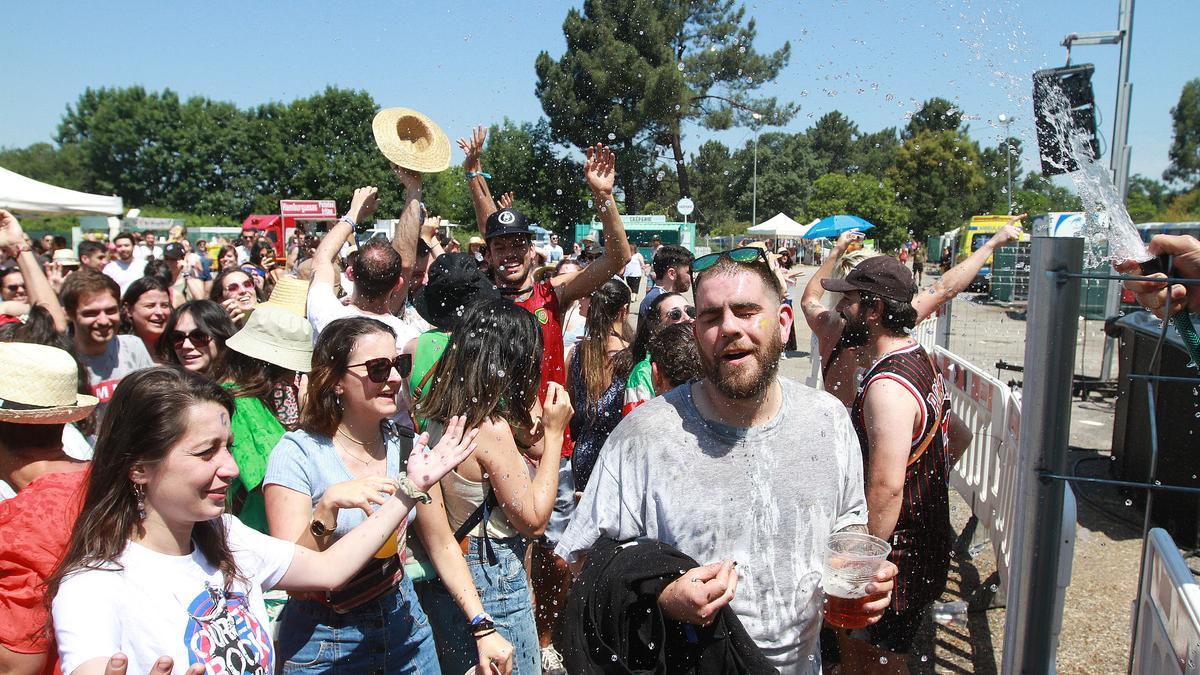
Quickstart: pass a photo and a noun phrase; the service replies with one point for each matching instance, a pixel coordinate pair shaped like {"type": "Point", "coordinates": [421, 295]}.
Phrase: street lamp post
{"type": "Point", "coordinates": [1007, 122]}
{"type": "Point", "coordinates": [754, 190]}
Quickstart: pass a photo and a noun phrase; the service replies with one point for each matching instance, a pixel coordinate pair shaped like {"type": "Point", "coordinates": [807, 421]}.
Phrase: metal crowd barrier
{"type": "Point", "coordinates": [1168, 612]}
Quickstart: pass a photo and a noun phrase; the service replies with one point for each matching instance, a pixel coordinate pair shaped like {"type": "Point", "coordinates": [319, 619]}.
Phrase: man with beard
{"type": "Point", "coordinates": [716, 469]}
{"type": "Point", "coordinates": [126, 268]}
{"type": "Point", "coordinates": [510, 259]}
{"type": "Point", "coordinates": [902, 417]}
{"type": "Point", "coordinates": [670, 267]}
{"type": "Point", "coordinates": [839, 363]}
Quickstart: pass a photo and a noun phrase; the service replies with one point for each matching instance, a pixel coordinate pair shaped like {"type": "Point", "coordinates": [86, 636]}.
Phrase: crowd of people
{"type": "Point", "coordinates": [212, 459]}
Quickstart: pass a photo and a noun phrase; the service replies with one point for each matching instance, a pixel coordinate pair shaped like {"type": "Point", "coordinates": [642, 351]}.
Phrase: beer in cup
{"type": "Point", "coordinates": [850, 562]}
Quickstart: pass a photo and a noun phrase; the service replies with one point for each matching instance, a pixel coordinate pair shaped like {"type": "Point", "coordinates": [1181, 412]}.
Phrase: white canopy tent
{"type": "Point", "coordinates": [26, 195]}
{"type": "Point", "coordinates": [779, 226]}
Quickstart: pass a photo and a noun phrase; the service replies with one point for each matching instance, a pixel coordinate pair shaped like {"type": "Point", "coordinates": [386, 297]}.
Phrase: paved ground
{"type": "Point", "coordinates": [1096, 624]}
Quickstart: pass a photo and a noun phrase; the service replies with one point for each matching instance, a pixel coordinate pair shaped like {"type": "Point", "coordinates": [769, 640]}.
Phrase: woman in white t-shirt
{"type": "Point", "coordinates": [154, 567]}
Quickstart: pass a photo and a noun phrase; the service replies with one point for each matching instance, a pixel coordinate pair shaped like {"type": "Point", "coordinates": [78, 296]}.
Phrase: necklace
{"type": "Point", "coordinates": [357, 442]}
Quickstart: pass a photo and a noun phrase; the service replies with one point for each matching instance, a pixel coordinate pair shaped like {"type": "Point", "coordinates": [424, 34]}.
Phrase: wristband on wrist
{"type": "Point", "coordinates": [410, 489]}
{"type": "Point", "coordinates": [484, 174]}
{"type": "Point", "coordinates": [348, 219]}
{"type": "Point", "coordinates": [480, 617]}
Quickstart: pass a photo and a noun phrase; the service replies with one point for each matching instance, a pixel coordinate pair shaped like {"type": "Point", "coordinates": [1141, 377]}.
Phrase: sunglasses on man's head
{"type": "Point", "coordinates": [378, 370]}
{"type": "Point", "coordinates": [235, 287]}
{"type": "Point", "coordinates": [199, 338]}
{"type": "Point", "coordinates": [745, 255]}
{"type": "Point", "coordinates": [677, 313]}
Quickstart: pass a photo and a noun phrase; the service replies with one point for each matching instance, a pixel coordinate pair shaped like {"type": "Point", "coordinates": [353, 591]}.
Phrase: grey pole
{"type": "Point", "coordinates": [941, 337]}
{"type": "Point", "coordinates": [1051, 327]}
{"type": "Point", "coordinates": [754, 197]}
{"type": "Point", "coordinates": [1119, 162]}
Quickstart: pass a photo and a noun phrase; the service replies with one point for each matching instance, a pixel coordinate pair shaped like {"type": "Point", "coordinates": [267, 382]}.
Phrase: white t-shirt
{"type": "Point", "coordinates": [164, 605]}
{"type": "Point", "coordinates": [324, 308]}
{"type": "Point", "coordinates": [125, 273]}
{"type": "Point", "coordinates": [633, 268]}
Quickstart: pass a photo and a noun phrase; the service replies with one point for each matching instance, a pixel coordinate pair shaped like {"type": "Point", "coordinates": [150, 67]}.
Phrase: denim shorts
{"type": "Point", "coordinates": [389, 634]}
{"type": "Point", "coordinates": [504, 590]}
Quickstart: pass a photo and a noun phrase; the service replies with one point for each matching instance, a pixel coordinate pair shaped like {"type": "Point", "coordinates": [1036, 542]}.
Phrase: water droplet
{"type": "Point", "coordinates": [1128, 502]}
{"type": "Point", "coordinates": [883, 659]}
{"type": "Point", "coordinates": [680, 70]}
{"type": "Point", "coordinates": [612, 136]}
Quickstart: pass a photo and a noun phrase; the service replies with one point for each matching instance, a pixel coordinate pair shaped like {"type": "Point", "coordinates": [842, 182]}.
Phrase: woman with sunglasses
{"type": "Point", "coordinates": [236, 292]}
{"type": "Point", "coordinates": [667, 309]}
{"type": "Point", "coordinates": [156, 568]}
{"type": "Point", "coordinates": [195, 336]}
{"type": "Point", "coordinates": [323, 481]}
{"type": "Point", "coordinates": [145, 308]}
{"type": "Point", "coordinates": [490, 371]}
{"type": "Point", "coordinates": [597, 370]}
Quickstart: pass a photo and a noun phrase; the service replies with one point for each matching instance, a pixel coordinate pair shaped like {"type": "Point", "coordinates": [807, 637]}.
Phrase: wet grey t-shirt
{"type": "Point", "coordinates": [124, 354]}
{"type": "Point", "coordinates": [766, 497]}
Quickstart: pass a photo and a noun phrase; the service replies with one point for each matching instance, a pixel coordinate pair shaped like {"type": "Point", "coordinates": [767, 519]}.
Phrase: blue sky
{"type": "Point", "coordinates": [466, 63]}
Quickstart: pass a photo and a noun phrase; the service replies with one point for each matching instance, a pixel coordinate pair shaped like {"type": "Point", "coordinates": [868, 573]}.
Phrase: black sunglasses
{"type": "Point", "coordinates": [745, 255]}
{"type": "Point", "coordinates": [378, 370]}
{"type": "Point", "coordinates": [677, 313]}
{"type": "Point", "coordinates": [198, 337]}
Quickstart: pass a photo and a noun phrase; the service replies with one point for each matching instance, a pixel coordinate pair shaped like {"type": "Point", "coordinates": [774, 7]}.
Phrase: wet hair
{"type": "Point", "coordinates": [726, 267]}
{"type": "Point", "coordinates": [85, 282]}
{"type": "Point", "coordinates": [90, 248]}
{"type": "Point", "coordinates": [649, 324]}
{"type": "Point", "coordinates": [146, 417]}
{"type": "Point", "coordinates": [209, 317]}
{"type": "Point", "coordinates": [217, 292]}
{"type": "Point", "coordinates": [376, 269]}
{"type": "Point", "coordinates": [134, 293]}
{"type": "Point", "coordinates": [898, 317]}
{"type": "Point", "coordinates": [670, 256]}
{"type": "Point", "coordinates": [123, 235]}
{"type": "Point", "coordinates": [490, 369]}
{"type": "Point", "coordinates": [676, 353]}
{"type": "Point", "coordinates": [39, 329]}
{"type": "Point", "coordinates": [330, 360]}
{"type": "Point", "coordinates": [596, 366]}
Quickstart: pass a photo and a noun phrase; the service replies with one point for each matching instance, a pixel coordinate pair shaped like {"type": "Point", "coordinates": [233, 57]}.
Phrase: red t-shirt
{"type": "Point", "coordinates": [543, 303]}
{"type": "Point", "coordinates": [36, 527]}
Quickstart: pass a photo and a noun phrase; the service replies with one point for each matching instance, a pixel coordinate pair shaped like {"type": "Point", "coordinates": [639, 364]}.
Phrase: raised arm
{"type": "Point", "coordinates": [823, 320]}
{"type": "Point", "coordinates": [408, 227]}
{"type": "Point", "coordinates": [37, 286]}
{"type": "Point", "coordinates": [481, 196]}
{"type": "Point", "coordinates": [957, 278]}
{"type": "Point", "coordinates": [362, 206]}
{"type": "Point", "coordinates": [429, 235]}
{"type": "Point", "coordinates": [600, 172]}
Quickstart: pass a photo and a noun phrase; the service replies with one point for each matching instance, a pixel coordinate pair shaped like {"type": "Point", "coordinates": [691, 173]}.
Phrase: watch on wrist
{"type": "Point", "coordinates": [320, 529]}
{"type": "Point", "coordinates": [410, 489]}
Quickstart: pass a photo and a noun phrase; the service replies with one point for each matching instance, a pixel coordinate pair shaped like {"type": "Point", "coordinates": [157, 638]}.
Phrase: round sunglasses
{"type": "Point", "coordinates": [677, 313]}
{"type": "Point", "coordinates": [378, 370]}
{"type": "Point", "coordinates": [235, 287]}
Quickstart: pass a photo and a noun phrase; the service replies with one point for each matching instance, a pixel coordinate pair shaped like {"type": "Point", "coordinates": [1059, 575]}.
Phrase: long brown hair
{"type": "Point", "coordinates": [596, 366]}
{"type": "Point", "coordinates": [146, 417]}
{"type": "Point", "coordinates": [491, 368]}
{"type": "Point", "coordinates": [331, 357]}
{"type": "Point", "coordinates": [251, 377]}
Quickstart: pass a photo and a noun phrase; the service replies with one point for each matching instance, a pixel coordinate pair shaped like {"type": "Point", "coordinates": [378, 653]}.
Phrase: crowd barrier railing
{"type": "Point", "coordinates": [1168, 610]}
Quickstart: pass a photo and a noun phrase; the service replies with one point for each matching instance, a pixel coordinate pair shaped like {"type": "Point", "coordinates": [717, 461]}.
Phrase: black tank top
{"type": "Point", "coordinates": [922, 539]}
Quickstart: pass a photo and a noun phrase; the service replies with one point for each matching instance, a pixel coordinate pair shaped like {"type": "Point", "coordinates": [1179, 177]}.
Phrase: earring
{"type": "Point", "coordinates": [139, 493]}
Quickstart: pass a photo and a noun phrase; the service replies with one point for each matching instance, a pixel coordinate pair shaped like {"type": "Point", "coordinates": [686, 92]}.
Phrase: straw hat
{"type": "Point", "coordinates": [291, 294]}
{"type": "Point", "coordinates": [276, 335]}
{"type": "Point", "coordinates": [411, 140]}
{"type": "Point", "coordinates": [66, 257]}
{"type": "Point", "coordinates": [38, 386]}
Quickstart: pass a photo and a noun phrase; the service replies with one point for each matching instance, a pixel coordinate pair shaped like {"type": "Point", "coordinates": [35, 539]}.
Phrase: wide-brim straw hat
{"type": "Point", "coordinates": [291, 294]}
{"type": "Point", "coordinates": [39, 385]}
{"type": "Point", "coordinates": [277, 336]}
{"type": "Point", "coordinates": [411, 140]}
{"type": "Point", "coordinates": [66, 257]}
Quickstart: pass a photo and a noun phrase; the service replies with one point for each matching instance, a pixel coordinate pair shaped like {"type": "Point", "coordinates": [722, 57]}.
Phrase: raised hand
{"type": "Point", "coordinates": [599, 169]}
{"type": "Point", "coordinates": [429, 228]}
{"type": "Point", "coordinates": [556, 410]}
{"type": "Point", "coordinates": [54, 275]}
{"type": "Point", "coordinates": [506, 200]}
{"type": "Point", "coordinates": [1009, 233]}
{"type": "Point", "coordinates": [844, 239]}
{"type": "Point", "coordinates": [426, 465]}
{"type": "Point", "coordinates": [473, 148]}
{"type": "Point", "coordinates": [411, 180]}
{"type": "Point", "coordinates": [11, 234]}
{"type": "Point", "coordinates": [364, 203]}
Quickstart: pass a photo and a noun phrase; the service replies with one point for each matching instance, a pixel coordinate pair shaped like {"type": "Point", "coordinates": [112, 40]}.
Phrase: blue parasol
{"type": "Point", "coordinates": [833, 226]}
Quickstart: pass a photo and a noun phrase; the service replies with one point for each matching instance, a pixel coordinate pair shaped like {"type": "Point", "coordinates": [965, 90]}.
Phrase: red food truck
{"type": "Point", "coordinates": [293, 213]}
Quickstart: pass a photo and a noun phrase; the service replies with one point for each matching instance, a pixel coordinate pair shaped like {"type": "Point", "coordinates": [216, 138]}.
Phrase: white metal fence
{"type": "Point", "coordinates": [1168, 610]}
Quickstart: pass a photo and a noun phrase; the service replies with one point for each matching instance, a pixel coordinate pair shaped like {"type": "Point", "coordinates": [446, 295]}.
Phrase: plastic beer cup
{"type": "Point", "coordinates": [850, 562]}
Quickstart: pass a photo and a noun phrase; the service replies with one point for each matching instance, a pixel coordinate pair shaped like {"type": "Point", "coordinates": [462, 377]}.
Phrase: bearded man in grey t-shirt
{"type": "Point", "coordinates": [740, 468]}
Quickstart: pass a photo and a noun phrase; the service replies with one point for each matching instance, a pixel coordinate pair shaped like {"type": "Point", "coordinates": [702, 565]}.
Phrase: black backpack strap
{"type": "Point", "coordinates": [480, 515]}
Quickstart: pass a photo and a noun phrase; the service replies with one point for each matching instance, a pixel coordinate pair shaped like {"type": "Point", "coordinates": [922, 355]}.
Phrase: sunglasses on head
{"type": "Point", "coordinates": [199, 338]}
{"type": "Point", "coordinates": [378, 370]}
{"type": "Point", "coordinates": [745, 255]}
{"type": "Point", "coordinates": [677, 313]}
{"type": "Point", "coordinates": [235, 287]}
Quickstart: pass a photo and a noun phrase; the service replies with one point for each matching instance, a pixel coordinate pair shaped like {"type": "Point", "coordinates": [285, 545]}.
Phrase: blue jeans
{"type": "Point", "coordinates": [389, 634]}
{"type": "Point", "coordinates": [504, 591]}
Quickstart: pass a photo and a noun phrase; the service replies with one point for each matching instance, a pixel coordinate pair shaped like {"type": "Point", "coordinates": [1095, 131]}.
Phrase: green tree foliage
{"type": "Point", "coordinates": [1147, 199]}
{"type": "Point", "coordinates": [1185, 147]}
{"type": "Point", "coordinates": [937, 176]}
{"type": "Point", "coordinates": [787, 168]}
{"type": "Point", "coordinates": [866, 197]}
{"type": "Point", "coordinates": [936, 114]}
{"type": "Point", "coordinates": [832, 140]}
{"type": "Point", "coordinates": [713, 172]}
{"type": "Point", "coordinates": [548, 185]}
{"type": "Point", "coordinates": [1039, 195]}
{"type": "Point", "coordinates": [874, 153]}
{"type": "Point", "coordinates": [993, 198]}
{"type": "Point", "coordinates": [47, 163]}
{"type": "Point", "coordinates": [1185, 206]}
